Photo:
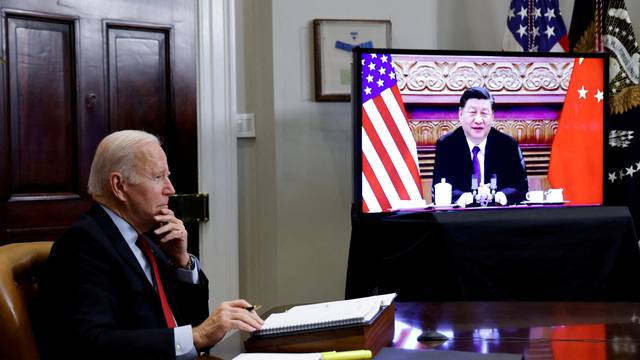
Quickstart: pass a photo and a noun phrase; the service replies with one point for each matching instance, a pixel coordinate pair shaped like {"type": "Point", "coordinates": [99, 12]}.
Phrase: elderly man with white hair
{"type": "Point", "coordinates": [120, 282]}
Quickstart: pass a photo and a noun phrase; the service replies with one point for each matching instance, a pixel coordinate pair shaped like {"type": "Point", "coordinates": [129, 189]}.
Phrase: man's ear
{"type": "Point", "coordinates": [116, 184]}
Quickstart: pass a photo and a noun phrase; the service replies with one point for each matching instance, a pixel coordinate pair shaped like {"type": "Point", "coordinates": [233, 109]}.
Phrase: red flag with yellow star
{"type": "Point", "coordinates": [598, 25]}
{"type": "Point", "coordinates": [576, 153]}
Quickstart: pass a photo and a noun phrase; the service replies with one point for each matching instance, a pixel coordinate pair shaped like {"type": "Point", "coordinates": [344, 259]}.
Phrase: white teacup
{"type": "Point", "coordinates": [554, 195]}
{"type": "Point", "coordinates": [535, 196]}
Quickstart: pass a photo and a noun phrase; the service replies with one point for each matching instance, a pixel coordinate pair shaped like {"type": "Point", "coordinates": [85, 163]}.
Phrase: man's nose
{"type": "Point", "coordinates": [478, 119]}
{"type": "Point", "coordinates": [169, 190]}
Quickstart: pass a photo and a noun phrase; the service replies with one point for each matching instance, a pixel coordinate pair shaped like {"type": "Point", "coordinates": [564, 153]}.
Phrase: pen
{"type": "Point", "coordinates": [347, 355]}
{"type": "Point", "coordinates": [253, 307]}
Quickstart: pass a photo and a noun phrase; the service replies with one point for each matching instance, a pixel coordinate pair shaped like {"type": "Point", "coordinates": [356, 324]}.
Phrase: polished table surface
{"type": "Point", "coordinates": [538, 330]}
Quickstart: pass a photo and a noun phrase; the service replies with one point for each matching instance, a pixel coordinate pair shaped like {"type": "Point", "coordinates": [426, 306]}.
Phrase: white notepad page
{"type": "Point", "coordinates": [328, 314]}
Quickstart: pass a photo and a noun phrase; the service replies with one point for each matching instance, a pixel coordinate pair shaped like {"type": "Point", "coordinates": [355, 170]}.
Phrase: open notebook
{"type": "Point", "coordinates": [325, 315]}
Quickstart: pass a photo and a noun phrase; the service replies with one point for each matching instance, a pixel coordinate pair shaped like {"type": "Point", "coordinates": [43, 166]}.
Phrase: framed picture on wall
{"type": "Point", "coordinates": [333, 42]}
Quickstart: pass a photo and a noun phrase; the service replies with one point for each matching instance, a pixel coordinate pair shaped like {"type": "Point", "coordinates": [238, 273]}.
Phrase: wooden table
{"type": "Point", "coordinates": [539, 330]}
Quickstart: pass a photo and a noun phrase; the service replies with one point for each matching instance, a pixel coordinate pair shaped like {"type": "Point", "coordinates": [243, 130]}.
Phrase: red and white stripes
{"type": "Point", "coordinates": [390, 175]}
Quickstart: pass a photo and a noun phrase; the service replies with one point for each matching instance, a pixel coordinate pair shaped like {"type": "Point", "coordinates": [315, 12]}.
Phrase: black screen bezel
{"type": "Point", "coordinates": [356, 103]}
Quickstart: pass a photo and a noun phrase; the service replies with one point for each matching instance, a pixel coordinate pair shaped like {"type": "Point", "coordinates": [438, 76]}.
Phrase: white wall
{"type": "Point", "coordinates": [295, 177]}
{"type": "Point", "coordinates": [256, 157]}
{"type": "Point", "coordinates": [314, 143]}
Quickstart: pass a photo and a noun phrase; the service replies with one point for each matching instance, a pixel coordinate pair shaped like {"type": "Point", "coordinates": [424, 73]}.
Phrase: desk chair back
{"type": "Point", "coordinates": [20, 268]}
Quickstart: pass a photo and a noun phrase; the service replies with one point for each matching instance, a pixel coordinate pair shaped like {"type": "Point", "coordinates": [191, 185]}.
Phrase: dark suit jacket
{"type": "Point", "coordinates": [97, 300]}
{"type": "Point", "coordinates": [502, 157]}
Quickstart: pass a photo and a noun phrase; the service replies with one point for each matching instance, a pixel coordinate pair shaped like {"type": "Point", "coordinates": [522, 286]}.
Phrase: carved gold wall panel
{"type": "Point", "coordinates": [536, 132]}
{"type": "Point", "coordinates": [418, 75]}
{"type": "Point", "coordinates": [534, 136]}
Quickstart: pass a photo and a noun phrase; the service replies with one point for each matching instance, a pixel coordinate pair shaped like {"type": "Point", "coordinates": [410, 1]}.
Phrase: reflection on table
{"type": "Point", "coordinates": [539, 330]}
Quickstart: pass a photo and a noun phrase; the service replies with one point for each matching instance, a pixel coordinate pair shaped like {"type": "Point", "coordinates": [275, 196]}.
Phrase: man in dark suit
{"type": "Point", "coordinates": [120, 284]}
{"type": "Point", "coordinates": [477, 149]}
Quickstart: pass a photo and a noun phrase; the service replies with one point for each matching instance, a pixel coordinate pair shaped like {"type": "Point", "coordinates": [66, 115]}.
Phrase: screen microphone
{"type": "Point", "coordinates": [494, 182]}
{"type": "Point", "coordinates": [474, 183]}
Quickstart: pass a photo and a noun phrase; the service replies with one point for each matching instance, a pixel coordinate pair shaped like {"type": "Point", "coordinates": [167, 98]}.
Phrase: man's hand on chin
{"type": "Point", "coordinates": [173, 237]}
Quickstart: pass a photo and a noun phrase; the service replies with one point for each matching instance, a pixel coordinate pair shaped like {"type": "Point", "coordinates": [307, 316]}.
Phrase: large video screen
{"type": "Point", "coordinates": [451, 130]}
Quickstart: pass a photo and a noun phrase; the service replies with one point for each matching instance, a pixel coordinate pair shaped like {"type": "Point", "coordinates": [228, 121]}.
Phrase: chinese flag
{"type": "Point", "coordinates": [576, 153]}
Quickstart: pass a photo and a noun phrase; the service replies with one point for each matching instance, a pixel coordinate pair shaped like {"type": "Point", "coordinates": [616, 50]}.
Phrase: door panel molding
{"type": "Point", "coordinates": [42, 108]}
{"type": "Point", "coordinates": [217, 150]}
{"type": "Point", "coordinates": [139, 72]}
{"type": "Point", "coordinates": [43, 192]}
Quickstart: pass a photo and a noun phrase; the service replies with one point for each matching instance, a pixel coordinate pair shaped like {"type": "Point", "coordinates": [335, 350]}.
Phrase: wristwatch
{"type": "Point", "coordinates": [190, 265]}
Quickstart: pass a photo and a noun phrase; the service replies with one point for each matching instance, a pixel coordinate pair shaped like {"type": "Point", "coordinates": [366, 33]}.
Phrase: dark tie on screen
{"type": "Point", "coordinates": [476, 164]}
{"type": "Point", "coordinates": [166, 309]}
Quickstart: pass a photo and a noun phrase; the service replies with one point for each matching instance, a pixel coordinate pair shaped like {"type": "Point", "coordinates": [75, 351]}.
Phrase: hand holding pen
{"type": "Point", "coordinates": [230, 315]}
{"type": "Point", "coordinates": [254, 307]}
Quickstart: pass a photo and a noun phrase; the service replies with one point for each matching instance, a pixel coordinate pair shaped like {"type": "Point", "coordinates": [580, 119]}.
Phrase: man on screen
{"type": "Point", "coordinates": [477, 149]}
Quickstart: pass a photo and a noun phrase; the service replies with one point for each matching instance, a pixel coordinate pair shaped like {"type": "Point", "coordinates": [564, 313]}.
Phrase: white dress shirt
{"type": "Point", "coordinates": [183, 335]}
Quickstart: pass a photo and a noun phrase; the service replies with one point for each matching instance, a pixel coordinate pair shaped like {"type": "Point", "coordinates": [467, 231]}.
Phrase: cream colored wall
{"type": "Point", "coordinates": [257, 198]}
{"type": "Point", "coordinates": [295, 177]}
{"type": "Point", "coordinates": [314, 143]}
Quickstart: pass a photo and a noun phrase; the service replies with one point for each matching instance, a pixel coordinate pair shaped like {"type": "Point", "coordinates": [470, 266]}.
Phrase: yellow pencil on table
{"type": "Point", "coordinates": [347, 355]}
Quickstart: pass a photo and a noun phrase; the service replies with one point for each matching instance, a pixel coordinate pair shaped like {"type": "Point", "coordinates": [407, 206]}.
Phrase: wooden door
{"type": "Point", "coordinates": [75, 71]}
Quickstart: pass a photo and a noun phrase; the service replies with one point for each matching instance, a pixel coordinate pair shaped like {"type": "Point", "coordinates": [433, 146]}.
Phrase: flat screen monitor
{"type": "Point", "coordinates": [537, 121]}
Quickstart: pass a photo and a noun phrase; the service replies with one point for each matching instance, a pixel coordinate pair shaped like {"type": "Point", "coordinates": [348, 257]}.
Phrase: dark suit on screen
{"type": "Point", "coordinates": [502, 157]}
{"type": "Point", "coordinates": [98, 301]}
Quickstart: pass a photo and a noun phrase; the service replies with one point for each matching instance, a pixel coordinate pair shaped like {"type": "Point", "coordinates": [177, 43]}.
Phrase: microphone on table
{"type": "Point", "coordinates": [474, 188]}
{"type": "Point", "coordinates": [493, 185]}
{"type": "Point", "coordinates": [432, 336]}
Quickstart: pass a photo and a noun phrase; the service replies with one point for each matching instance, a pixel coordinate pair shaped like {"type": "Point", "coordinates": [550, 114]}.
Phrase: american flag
{"type": "Point", "coordinates": [535, 25]}
{"type": "Point", "coordinates": [390, 176]}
